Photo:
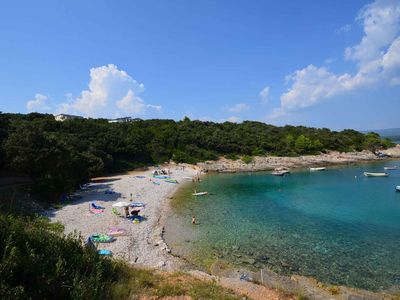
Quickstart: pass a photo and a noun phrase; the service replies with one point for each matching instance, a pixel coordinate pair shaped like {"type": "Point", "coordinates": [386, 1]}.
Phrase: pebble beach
{"type": "Point", "coordinates": [142, 245]}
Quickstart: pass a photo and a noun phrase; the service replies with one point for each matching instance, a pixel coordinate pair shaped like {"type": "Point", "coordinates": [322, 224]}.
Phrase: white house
{"type": "Point", "coordinates": [121, 120]}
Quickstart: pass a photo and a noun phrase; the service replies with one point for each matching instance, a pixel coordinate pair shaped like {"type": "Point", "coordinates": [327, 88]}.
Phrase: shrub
{"type": "Point", "coordinates": [38, 263]}
{"type": "Point", "coordinates": [247, 159]}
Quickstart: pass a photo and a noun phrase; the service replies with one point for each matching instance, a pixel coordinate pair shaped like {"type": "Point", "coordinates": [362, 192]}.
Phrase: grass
{"type": "Point", "coordinates": [247, 159]}
{"type": "Point", "coordinates": [142, 282]}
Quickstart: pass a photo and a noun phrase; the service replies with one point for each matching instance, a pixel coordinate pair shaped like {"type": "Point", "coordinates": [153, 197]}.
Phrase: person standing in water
{"type": "Point", "coordinates": [193, 220]}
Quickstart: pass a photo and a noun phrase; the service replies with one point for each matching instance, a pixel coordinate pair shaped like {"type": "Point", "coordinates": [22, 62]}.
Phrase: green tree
{"type": "Point", "coordinates": [302, 144]}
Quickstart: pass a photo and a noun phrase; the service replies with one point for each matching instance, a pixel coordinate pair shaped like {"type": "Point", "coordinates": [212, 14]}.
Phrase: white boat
{"type": "Point", "coordinates": [318, 169]}
{"type": "Point", "coordinates": [390, 168]}
{"type": "Point", "coordinates": [398, 188]}
{"type": "Point", "coordinates": [200, 194]}
{"type": "Point", "coordinates": [372, 174]}
{"type": "Point", "coordinates": [279, 173]}
{"type": "Point", "coordinates": [282, 169]}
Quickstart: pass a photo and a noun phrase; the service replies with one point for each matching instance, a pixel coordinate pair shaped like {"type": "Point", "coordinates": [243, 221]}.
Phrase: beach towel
{"type": "Point", "coordinates": [116, 231]}
{"type": "Point", "coordinates": [161, 176]}
{"type": "Point", "coordinates": [170, 180]}
{"type": "Point", "coordinates": [96, 211]}
{"type": "Point", "coordinates": [95, 206]}
{"type": "Point", "coordinates": [137, 219]}
{"type": "Point", "coordinates": [102, 238]}
{"type": "Point", "coordinates": [137, 204]}
{"type": "Point", "coordinates": [105, 252]}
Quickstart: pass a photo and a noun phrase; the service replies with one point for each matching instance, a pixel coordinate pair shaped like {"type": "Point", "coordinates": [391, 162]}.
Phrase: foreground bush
{"type": "Point", "coordinates": [38, 263]}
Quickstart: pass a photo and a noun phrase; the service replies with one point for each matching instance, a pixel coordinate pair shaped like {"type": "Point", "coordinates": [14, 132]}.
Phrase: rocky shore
{"type": "Point", "coordinates": [267, 163]}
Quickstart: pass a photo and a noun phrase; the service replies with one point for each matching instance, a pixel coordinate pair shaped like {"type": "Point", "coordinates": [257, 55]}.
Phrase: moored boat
{"type": "Point", "coordinates": [279, 173]}
{"type": "Point", "coordinates": [398, 188]}
{"type": "Point", "coordinates": [200, 193]}
{"type": "Point", "coordinates": [390, 168]}
{"type": "Point", "coordinates": [318, 169]}
{"type": "Point", "coordinates": [375, 174]}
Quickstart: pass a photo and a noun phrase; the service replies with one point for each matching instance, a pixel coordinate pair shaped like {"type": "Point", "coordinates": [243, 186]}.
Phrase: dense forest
{"type": "Point", "coordinates": [58, 156]}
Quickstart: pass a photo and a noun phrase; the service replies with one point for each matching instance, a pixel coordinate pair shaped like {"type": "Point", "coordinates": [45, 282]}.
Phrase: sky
{"type": "Point", "coordinates": [325, 63]}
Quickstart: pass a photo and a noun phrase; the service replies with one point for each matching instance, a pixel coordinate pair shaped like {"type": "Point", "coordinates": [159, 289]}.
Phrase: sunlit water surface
{"type": "Point", "coordinates": [337, 225]}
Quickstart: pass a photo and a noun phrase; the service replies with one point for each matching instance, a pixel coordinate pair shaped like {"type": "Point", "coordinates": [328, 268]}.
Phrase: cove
{"type": "Point", "coordinates": [336, 226]}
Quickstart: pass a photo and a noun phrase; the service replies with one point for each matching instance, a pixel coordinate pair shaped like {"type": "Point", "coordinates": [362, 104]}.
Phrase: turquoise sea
{"type": "Point", "coordinates": [336, 225]}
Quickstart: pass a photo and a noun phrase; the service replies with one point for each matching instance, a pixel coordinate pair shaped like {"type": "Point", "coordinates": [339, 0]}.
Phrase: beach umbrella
{"type": "Point", "coordinates": [121, 204]}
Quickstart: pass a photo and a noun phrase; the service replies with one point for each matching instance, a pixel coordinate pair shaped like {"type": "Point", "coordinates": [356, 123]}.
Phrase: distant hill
{"type": "Point", "coordinates": [391, 133]}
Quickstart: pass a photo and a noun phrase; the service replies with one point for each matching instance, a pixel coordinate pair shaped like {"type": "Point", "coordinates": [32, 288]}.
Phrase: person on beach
{"type": "Point", "coordinates": [193, 220]}
{"type": "Point", "coordinates": [126, 211]}
{"type": "Point", "coordinates": [131, 197]}
{"type": "Point", "coordinates": [135, 212]}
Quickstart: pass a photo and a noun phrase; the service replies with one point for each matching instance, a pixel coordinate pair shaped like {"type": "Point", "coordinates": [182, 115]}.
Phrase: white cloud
{"type": "Point", "coordinates": [343, 29]}
{"type": "Point", "coordinates": [237, 108]}
{"type": "Point", "coordinates": [111, 93]}
{"type": "Point", "coordinates": [311, 84]}
{"type": "Point", "coordinates": [391, 59]}
{"type": "Point", "coordinates": [38, 104]}
{"type": "Point", "coordinates": [377, 57]}
{"type": "Point", "coordinates": [233, 119]}
{"type": "Point", "coordinates": [264, 94]}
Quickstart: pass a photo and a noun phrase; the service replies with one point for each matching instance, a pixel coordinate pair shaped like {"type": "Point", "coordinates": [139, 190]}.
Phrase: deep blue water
{"type": "Point", "coordinates": [337, 225]}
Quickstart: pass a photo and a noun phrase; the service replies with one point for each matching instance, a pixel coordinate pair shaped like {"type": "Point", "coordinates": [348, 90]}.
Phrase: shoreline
{"type": "Point", "coordinates": [145, 245]}
{"type": "Point", "coordinates": [269, 163]}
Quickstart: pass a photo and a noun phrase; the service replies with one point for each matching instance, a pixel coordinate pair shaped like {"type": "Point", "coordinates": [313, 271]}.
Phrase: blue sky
{"type": "Point", "coordinates": [323, 63]}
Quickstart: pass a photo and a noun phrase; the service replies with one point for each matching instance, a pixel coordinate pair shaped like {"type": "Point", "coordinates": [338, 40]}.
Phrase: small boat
{"type": "Point", "coordinates": [390, 168]}
{"type": "Point", "coordinates": [398, 188]}
{"type": "Point", "coordinates": [372, 174]}
{"type": "Point", "coordinates": [318, 169]}
{"type": "Point", "coordinates": [282, 169]}
{"type": "Point", "coordinates": [200, 193]}
{"type": "Point", "coordinates": [279, 173]}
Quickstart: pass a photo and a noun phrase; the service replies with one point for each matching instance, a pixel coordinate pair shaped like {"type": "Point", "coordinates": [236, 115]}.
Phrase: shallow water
{"type": "Point", "coordinates": [337, 225]}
